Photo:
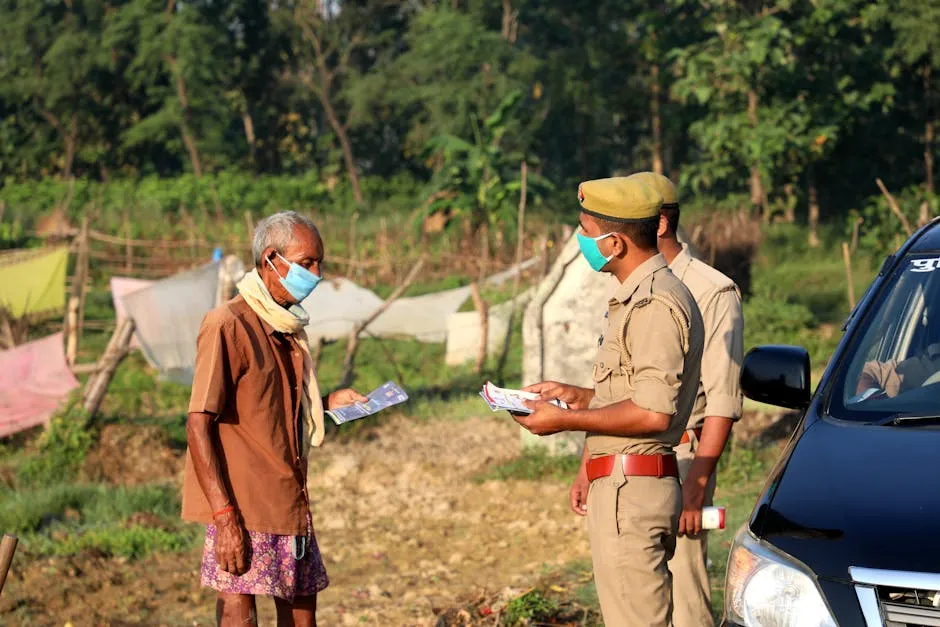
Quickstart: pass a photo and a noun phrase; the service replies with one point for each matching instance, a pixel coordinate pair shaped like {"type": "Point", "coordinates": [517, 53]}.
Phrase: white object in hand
{"type": "Point", "coordinates": [713, 518]}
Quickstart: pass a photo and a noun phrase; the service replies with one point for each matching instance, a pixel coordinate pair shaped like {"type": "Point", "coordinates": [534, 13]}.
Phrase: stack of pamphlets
{"type": "Point", "coordinates": [502, 399]}
{"type": "Point", "coordinates": [380, 398]}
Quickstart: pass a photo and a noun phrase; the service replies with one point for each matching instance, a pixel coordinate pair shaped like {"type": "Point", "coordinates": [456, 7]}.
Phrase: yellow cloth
{"type": "Point", "coordinates": [290, 322]}
{"type": "Point", "coordinates": [35, 284]}
{"type": "Point", "coordinates": [663, 186]}
{"type": "Point", "coordinates": [619, 199]}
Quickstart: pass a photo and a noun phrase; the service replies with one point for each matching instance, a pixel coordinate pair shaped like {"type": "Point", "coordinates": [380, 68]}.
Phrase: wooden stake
{"type": "Point", "coordinates": [893, 205]}
{"type": "Point", "coordinates": [7, 549]}
{"type": "Point", "coordinates": [116, 351]}
{"type": "Point", "coordinates": [128, 245]}
{"type": "Point", "coordinates": [855, 226]}
{"type": "Point", "coordinates": [847, 259]}
{"type": "Point", "coordinates": [520, 230]}
{"type": "Point", "coordinates": [352, 244]}
{"type": "Point", "coordinates": [482, 307]}
{"type": "Point", "coordinates": [352, 347]}
{"type": "Point", "coordinates": [71, 342]}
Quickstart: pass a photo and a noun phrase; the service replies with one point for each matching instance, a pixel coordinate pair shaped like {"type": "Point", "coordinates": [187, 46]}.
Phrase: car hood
{"type": "Point", "coordinates": [858, 495]}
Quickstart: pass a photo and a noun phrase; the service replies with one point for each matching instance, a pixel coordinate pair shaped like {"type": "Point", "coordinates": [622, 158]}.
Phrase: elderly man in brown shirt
{"type": "Point", "coordinates": [645, 379]}
{"type": "Point", "coordinates": [254, 414]}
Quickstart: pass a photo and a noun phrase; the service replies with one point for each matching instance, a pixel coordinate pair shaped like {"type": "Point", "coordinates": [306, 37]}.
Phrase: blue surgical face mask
{"type": "Point", "coordinates": [299, 281]}
{"type": "Point", "coordinates": [592, 253]}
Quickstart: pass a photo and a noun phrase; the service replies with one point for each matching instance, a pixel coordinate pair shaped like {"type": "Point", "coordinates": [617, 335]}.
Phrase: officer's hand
{"type": "Point", "coordinates": [545, 418]}
{"type": "Point", "coordinates": [579, 493]}
{"type": "Point", "coordinates": [574, 396]}
{"type": "Point", "coordinates": [693, 497]}
{"type": "Point", "coordinates": [341, 398]}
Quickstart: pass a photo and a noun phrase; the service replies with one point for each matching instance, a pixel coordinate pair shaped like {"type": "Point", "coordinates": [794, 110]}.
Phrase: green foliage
{"type": "Point", "coordinates": [530, 608]}
{"type": "Point", "coordinates": [534, 464]}
{"type": "Point", "coordinates": [131, 542]}
{"type": "Point", "coordinates": [95, 505]}
{"type": "Point", "coordinates": [61, 449]}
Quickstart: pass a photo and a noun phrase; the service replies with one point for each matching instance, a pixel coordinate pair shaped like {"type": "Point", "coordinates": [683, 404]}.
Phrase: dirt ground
{"type": "Point", "coordinates": [404, 528]}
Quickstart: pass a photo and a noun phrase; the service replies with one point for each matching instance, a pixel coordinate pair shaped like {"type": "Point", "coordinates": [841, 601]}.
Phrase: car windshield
{"type": "Point", "coordinates": [894, 367]}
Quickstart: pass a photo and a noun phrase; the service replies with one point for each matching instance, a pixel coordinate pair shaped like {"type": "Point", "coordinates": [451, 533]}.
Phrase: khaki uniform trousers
{"type": "Point", "coordinates": [691, 590]}
{"type": "Point", "coordinates": [632, 523]}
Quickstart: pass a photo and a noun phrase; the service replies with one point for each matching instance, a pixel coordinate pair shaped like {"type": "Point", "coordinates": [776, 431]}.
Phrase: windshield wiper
{"type": "Point", "coordinates": [901, 420]}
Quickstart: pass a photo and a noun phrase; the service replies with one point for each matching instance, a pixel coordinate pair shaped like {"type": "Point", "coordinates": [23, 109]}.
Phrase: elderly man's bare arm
{"type": "Point", "coordinates": [232, 546]}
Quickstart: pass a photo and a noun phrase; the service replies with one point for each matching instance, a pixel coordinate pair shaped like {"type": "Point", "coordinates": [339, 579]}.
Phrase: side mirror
{"type": "Point", "coordinates": [777, 375]}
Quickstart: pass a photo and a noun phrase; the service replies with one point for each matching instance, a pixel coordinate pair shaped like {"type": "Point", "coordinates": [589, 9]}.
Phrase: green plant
{"type": "Point", "coordinates": [534, 465]}
{"type": "Point", "coordinates": [530, 607]}
{"type": "Point", "coordinates": [61, 449]}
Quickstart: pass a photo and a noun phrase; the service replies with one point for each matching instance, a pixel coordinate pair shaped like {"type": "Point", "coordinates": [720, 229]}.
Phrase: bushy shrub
{"type": "Point", "coordinates": [61, 449]}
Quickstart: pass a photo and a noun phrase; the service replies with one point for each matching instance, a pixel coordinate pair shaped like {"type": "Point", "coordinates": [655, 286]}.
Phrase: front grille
{"type": "Point", "coordinates": [893, 598]}
{"type": "Point", "coordinates": [905, 607]}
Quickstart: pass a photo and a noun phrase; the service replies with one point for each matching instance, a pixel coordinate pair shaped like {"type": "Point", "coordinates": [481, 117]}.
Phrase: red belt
{"type": "Point", "coordinates": [685, 435]}
{"type": "Point", "coordinates": [634, 466]}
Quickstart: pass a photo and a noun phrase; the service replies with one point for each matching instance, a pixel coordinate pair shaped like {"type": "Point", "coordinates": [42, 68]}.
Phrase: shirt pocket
{"type": "Point", "coordinates": [606, 370]}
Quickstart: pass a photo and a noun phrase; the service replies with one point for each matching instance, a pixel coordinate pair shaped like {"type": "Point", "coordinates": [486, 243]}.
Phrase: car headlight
{"type": "Point", "coordinates": [765, 588]}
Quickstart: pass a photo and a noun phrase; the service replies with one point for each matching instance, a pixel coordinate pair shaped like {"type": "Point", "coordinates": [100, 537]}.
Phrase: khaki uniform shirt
{"type": "Point", "coordinates": [651, 352]}
{"type": "Point", "coordinates": [247, 375]}
{"type": "Point", "coordinates": [719, 300]}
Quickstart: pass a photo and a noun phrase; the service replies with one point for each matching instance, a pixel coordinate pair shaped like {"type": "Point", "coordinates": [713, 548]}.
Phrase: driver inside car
{"type": "Point", "coordinates": [892, 377]}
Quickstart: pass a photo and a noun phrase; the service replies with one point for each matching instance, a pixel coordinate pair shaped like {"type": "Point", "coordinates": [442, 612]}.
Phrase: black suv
{"type": "Point", "coordinates": [847, 530]}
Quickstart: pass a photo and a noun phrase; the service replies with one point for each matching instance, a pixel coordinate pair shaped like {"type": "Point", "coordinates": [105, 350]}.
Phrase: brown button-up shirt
{"type": "Point", "coordinates": [651, 352]}
{"type": "Point", "coordinates": [247, 375]}
{"type": "Point", "coordinates": [719, 300]}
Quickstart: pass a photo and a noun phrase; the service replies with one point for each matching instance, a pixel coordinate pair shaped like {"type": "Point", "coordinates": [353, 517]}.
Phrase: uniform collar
{"type": "Point", "coordinates": [641, 272]}
{"type": "Point", "coordinates": [681, 262]}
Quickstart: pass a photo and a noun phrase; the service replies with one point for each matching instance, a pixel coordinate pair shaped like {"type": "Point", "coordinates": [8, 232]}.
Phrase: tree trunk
{"type": "Point", "coordinates": [510, 27]}
{"type": "Point", "coordinates": [69, 138]}
{"type": "Point", "coordinates": [345, 145]}
{"type": "Point", "coordinates": [185, 114]}
{"type": "Point", "coordinates": [757, 186]}
{"type": "Point", "coordinates": [656, 120]}
{"type": "Point", "coordinates": [188, 139]}
{"type": "Point", "coordinates": [71, 146]}
{"type": "Point", "coordinates": [928, 134]}
{"type": "Point", "coordinates": [813, 212]}
{"type": "Point", "coordinates": [249, 126]}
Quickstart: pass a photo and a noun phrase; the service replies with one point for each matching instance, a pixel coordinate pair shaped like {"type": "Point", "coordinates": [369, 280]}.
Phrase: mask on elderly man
{"type": "Point", "coordinates": [299, 281]}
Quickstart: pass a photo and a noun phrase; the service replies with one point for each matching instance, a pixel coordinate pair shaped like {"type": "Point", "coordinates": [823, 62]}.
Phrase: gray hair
{"type": "Point", "coordinates": [276, 231]}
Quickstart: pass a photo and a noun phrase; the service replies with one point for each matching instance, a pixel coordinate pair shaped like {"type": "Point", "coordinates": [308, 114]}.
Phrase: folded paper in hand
{"type": "Point", "coordinates": [503, 399]}
{"type": "Point", "coordinates": [380, 398]}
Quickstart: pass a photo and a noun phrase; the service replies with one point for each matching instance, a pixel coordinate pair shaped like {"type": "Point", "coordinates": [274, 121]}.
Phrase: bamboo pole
{"type": "Point", "coordinates": [520, 230]}
{"type": "Point", "coordinates": [847, 259]}
{"type": "Point", "coordinates": [72, 331]}
{"type": "Point", "coordinates": [893, 205]}
{"type": "Point", "coordinates": [117, 349]}
{"type": "Point", "coordinates": [128, 246]}
{"type": "Point", "coordinates": [352, 347]}
{"type": "Point", "coordinates": [7, 549]}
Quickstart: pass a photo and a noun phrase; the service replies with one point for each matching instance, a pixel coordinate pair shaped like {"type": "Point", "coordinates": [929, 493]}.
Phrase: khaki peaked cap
{"type": "Point", "coordinates": [662, 185]}
{"type": "Point", "coordinates": [619, 199]}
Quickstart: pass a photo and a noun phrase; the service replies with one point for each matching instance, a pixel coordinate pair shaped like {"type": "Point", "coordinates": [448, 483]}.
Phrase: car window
{"type": "Point", "coordinates": [894, 366]}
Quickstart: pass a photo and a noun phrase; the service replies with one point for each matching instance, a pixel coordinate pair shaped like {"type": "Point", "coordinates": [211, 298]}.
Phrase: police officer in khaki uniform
{"type": "Point", "coordinates": [645, 381]}
{"type": "Point", "coordinates": [717, 407]}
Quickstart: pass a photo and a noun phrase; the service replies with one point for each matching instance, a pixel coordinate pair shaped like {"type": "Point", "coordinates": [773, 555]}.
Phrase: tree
{"type": "Point", "coordinates": [55, 67]}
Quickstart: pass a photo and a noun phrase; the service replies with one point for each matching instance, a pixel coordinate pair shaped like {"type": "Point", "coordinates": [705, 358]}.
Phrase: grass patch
{"type": "Point", "coordinates": [92, 504]}
{"type": "Point", "coordinates": [533, 464]}
{"type": "Point", "coordinates": [67, 519]}
{"type": "Point", "coordinates": [131, 542]}
{"type": "Point", "coordinates": [531, 607]}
